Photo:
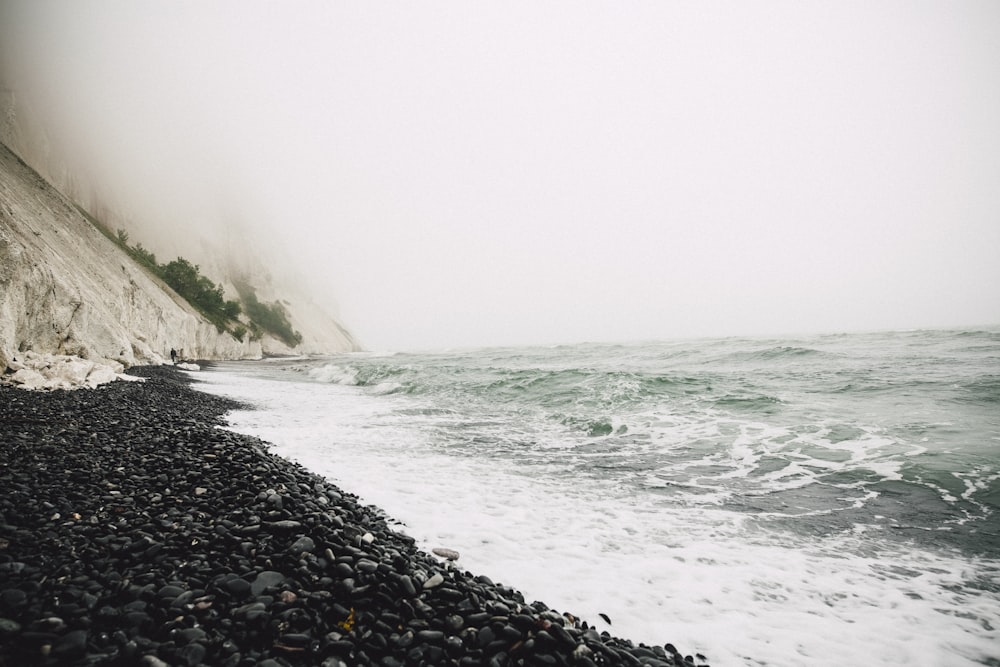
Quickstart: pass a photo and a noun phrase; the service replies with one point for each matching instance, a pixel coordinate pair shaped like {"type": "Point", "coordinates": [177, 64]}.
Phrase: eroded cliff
{"type": "Point", "coordinates": [67, 289]}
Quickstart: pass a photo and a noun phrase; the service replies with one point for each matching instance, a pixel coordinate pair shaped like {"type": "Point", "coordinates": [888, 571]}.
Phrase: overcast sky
{"type": "Point", "coordinates": [470, 173]}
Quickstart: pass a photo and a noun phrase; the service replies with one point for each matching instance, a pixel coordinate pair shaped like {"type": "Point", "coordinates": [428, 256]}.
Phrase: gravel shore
{"type": "Point", "coordinates": [134, 531]}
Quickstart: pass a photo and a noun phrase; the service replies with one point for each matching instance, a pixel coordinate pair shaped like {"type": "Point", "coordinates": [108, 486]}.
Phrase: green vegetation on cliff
{"type": "Point", "coordinates": [185, 278]}
{"type": "Point", "coordinates": [272, 318]}
{"type": "Point", "coordinates": [208, 298]}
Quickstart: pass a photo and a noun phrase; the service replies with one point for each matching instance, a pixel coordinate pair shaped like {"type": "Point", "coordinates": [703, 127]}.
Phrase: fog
{"type": "Point", "coordinates": [461, 173]}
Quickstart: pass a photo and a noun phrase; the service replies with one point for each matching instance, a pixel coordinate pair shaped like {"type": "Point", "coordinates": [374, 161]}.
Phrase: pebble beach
{"type": "Point", "coordinates": [136, 531]}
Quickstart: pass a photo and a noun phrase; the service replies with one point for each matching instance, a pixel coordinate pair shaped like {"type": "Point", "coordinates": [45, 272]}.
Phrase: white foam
{"type": "Point", "coordinates": [334, 374]}
{"type": "Point", "coordinates": [696, 576]}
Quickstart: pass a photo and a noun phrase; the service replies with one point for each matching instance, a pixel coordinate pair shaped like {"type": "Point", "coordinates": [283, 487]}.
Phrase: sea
{"type": "Point", "coordinates": [822, 500]}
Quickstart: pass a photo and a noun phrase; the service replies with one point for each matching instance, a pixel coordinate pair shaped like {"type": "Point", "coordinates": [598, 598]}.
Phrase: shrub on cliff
{"type": "Point", "coordinates": [208, 298]}
{"type": "Point", "coordinates": [272, 317]}
{"type": "Point", "coordinates": [200, 292]}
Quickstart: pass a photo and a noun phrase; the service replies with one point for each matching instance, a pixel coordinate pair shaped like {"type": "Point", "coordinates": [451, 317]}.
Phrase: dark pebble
{"type": "Point", "coordinates": [73, 644]}
{"type": "Point", "coordinates": [265, 580]}
{"type": "Point", "coordinates": [303, 544]}
{"type": "Point", "coordinates": [190, 635]}
{"type": "Point", "coordinates": [406, 583]}
{"type": "Point", "coordinates": [366, 566]}
{"type": "Point", "coordinates": [170, 592]}
{"type": "Point", "coordinates": [284, 526]}
{"type": "Point", "coordinates": [191, 655]}
{"type": "Point", "coordinates": [12, 598]}
{"type": "Point", "coordinates": [179, 543]}
{"type": "Point", "coordinates": [238, 588]}
{"type": "Point", "coordinates": [485, 636]}
{"type": "Point", "coordinates": [296, 639]}
{"type": "Point", "coordinates": [431, 636]}
{"type": "Point", "coordinates": [562, 635]}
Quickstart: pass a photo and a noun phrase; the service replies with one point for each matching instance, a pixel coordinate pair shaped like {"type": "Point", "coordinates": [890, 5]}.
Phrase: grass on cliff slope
{"type": "Point", "coordinates": [207, 297]}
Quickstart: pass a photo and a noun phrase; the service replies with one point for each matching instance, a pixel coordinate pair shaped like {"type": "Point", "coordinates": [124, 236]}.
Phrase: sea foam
{"type": "Point", "coordinates": [662, 570]}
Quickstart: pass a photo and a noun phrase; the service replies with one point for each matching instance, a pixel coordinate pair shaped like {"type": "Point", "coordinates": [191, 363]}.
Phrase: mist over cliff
{"type": "Point", "coordinates": [460, 174]}
{"type": "Point", "coordinates": [173, 208]}
{"type": "Point", "coordinates": [67, 288]}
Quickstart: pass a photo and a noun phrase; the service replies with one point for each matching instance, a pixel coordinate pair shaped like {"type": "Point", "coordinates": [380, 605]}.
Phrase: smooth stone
{"type": "Point", "coordinates": [247, 609]}
{"type": "Point", "coordinates": [523, 622]}
{"type": "Point", "coordinates": [169, 591]}
{"type": "Point", "coordinates": [485, 637]}
{"type": "Point", "coordinates": [448, 554]}
{"type": "Point", "coordinates": [432, 636]}
{"type": "Point", "coordinates": [366, 566]}
{"type": "Point", "coordinates": [9, 627]}
{"type": "Point", "coordinates": [434, 581]}
{"type": "Point", "coordinates": [191, 634]}
{"type": "Point", "coordinates": [477, 619]}
{"type": "Point", "coordinates": [303, 544]}
{"type": "Point", "coordinates": [407, 585]}
{"type": "Point", "coordinates": [296, 639]}
{"type": "Point", "coordinates": [265, 580]}
{"type": "Point", "coordinates": [13, 597]}
{"type": "Point", "coordinates": [543, 638]}
{"type": "Point", "coordinates": [192, 654]}
{"type": "Point", "coordinates": [71, 645]}
{"type": "Point", "coordinates": [134, 619]}
{"type": "Point", "coordinates": [562, 635]}
{"type": "Point", "coordinates": [450, 593]}
{"type": "Point", "coordinates": [284, 525]}
{"type": "Point", "coordinates": [238, 587]}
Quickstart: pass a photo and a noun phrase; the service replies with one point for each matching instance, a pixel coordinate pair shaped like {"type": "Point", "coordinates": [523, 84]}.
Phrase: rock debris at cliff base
{"type": "Point", "coordinates": [31, 370]}
{"type": "Point", "coordinates": [134, 531]}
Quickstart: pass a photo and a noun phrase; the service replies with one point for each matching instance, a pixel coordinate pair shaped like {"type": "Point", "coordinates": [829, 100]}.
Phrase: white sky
{"type": "Point", "coordinates": [470, 173]}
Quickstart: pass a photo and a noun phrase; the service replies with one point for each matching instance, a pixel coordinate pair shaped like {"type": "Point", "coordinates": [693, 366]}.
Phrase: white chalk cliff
{"type": "Point", "coordinates": [67, 289]}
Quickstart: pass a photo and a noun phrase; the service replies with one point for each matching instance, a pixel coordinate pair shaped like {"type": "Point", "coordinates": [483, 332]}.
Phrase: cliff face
{"type": "Point", "coordinates": [66, 289]}
{"type": "Point", "coordinates": [41, 272]}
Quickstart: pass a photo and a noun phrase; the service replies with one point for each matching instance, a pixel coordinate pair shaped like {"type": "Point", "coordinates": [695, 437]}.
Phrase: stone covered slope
{"type": "Point", "coordinates": [66, 289]}
{"type": "Point", "coordinates": [133, 531]}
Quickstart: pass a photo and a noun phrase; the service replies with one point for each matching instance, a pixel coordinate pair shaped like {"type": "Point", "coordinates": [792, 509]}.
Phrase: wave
{"type": "Point", "coordinates": [990, 335]}
{"type": "Point", "coordinates": [741, 418]}
{"type": "Point", "coordinates": [594, 426]}
{"type": "Point", "coordinates": [751, 403]}
{"type": "Point", "coordinates": [358, 375]}
{"type": "Point", "coordinates": [783, 351]}
{"type": "Point", "coordinates": [772, 355]}
{"type": "Point", "coordinates": [334, 374]}
{"type": "Point", "coordinates": [549, 388]}
{"type": "Point", "coordinates": [985, 389]}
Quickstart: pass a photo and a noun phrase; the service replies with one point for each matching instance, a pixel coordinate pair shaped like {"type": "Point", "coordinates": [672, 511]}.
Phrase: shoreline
{"type": "Point", "coordinates": [133, 530]}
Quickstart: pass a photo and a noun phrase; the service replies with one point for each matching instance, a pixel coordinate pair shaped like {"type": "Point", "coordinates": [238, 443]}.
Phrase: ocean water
{"type": "Point", "coordinates": [813, 501]}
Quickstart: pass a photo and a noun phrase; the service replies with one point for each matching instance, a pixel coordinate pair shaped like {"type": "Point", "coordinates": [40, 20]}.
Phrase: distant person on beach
{"type": "Point", "coordinates": [173, 356]}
